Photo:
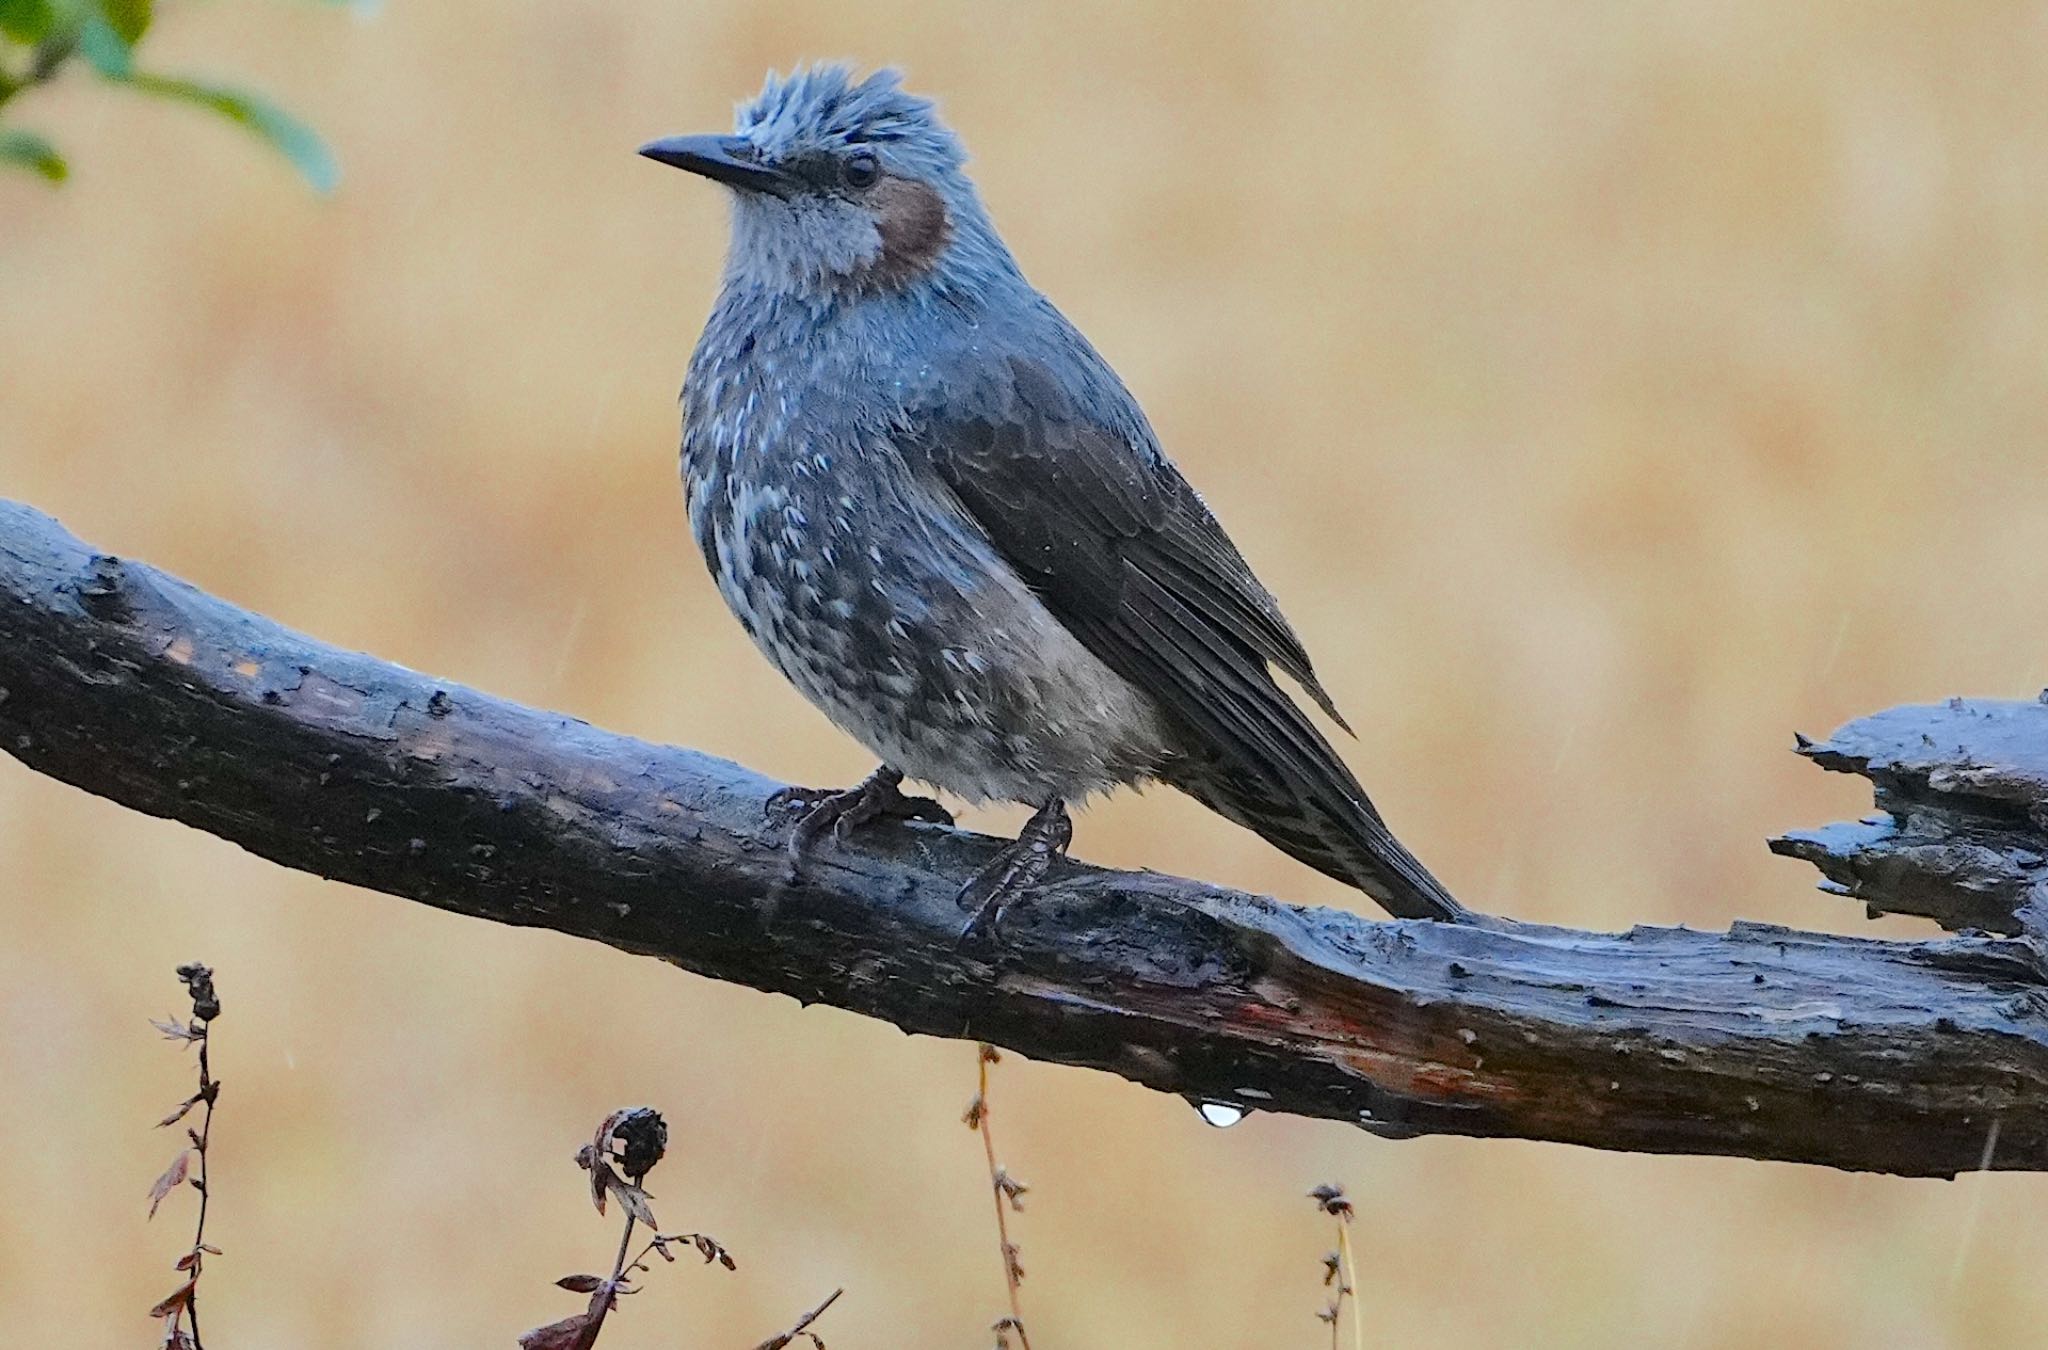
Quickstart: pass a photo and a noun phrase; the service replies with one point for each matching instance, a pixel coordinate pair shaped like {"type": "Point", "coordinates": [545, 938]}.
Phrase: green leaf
{"type": "Point", "coordinates": [128, 18]}
{"type": "Point", "coordinates": [105, 48]}
{"type": "Point", "coordinates": [298, 142]}
{"type": "Point", "coordinates": [27, 150]}
{"type": "Point", "coordinates": [27, 21]}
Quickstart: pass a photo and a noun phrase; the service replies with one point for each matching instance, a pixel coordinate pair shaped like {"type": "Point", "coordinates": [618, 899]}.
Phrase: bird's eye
{"type": "Point", "coordinates": [861, 169]}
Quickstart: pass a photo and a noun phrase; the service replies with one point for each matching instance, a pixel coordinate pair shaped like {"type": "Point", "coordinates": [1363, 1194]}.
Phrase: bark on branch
{"type": "Point", "coordinates": [1762, 1042]}
{"type": "Point", "coordinates": [1961, 835]}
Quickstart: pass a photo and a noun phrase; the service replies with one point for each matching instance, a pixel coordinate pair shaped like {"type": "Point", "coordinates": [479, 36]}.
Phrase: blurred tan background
{"type": "Point", "coordinates": [1607, 390]}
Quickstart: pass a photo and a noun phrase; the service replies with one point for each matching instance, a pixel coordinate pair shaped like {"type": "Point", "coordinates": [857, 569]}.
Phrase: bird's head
{"type": "Point", "coordinates": [840, 184]}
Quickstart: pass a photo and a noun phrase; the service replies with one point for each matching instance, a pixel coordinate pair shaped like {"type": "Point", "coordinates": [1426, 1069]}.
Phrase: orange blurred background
{"type": "Point", "coordinates": [1606, 390]}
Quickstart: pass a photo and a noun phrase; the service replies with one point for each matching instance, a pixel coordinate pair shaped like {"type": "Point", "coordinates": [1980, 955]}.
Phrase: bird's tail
{"type": "Point", "coordinates": [1339, 835]}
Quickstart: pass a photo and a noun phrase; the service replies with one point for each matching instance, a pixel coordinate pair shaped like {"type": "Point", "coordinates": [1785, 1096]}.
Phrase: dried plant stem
{"type": "Point", "coordinates": [986, 1056]}
{"type": "Point", "coordinates": [180, 1308]}
{"type": "Point", "coordinates": [802, 1329]}
{"type": "Point", "coordinates": [208, 1092]}
{"type": "Point", "coordinates": [1350, 1287]}
{"type": "Point", "coordinates": [630, 1140]}
{"type": "Point", "coordinates": [1339, 1268]}
{"type": "Point", "coordinates": [608, 1295]}
{"type": "Point", "coordinates": [625, 1241]}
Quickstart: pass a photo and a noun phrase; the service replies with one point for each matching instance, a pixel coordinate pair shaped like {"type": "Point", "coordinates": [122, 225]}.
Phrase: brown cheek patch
{"type": "Point", "coordinates": [914, 227]}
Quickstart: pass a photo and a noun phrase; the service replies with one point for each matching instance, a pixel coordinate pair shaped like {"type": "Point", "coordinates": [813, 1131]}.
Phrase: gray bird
{"type": "Point", "coordinates": [942, 516]}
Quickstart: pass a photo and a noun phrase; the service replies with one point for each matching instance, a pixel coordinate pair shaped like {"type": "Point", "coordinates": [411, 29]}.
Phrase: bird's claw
{"type": "Point", "coordinates": [1014, 873]}
{"type": "Point", "coordinates": [927, 809]}
{"type": "Point", "coordinates": [818, 810]}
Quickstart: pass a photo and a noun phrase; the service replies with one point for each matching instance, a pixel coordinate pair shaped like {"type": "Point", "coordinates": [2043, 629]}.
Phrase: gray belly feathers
{"type": "Point", "coordinates": [888, 612]}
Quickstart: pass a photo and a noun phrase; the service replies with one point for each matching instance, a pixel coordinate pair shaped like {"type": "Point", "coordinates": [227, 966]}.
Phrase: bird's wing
{"type": "Point", "coordinates": [1103, 527]}
{"type": "Point", "coordinates": [1122, 551]}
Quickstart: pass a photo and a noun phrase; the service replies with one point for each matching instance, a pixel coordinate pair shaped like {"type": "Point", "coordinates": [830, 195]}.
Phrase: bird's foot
{"type": "Point", "coordinates": [879, 796]}
{"type": "Point", "coordinates": [1013, 873]}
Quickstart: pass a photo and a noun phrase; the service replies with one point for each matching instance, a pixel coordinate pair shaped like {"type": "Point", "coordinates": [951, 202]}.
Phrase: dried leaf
{"type": "Point", "coordinates": [976, 1109]}
{"type": "Point", "coordinates": [632, 1199]}
{"type": "Point", "coordinates": [175, 1301]}
{"type": "Point", "coordinates": [641, 1135]}
{"type": "Point", "coordinates": [601, 1141]}
{"type": "Point", "coordinates": [172, 1178]}
{"type": "Point", "coordinates": [581, 1284]}
{"type": "Point", "coordinates": [571, 1333]}
{"type": "Point", "coordinates": [1330, 1199]}
{"type": "Point", "coordinates": [591, 1159]}
{"type": "Point", "coordinates": [179, 1114]}
{"type": "Point", "coordinates": [1010, 1189]}
{"type": "Point", "coordinates": [713, 1250]}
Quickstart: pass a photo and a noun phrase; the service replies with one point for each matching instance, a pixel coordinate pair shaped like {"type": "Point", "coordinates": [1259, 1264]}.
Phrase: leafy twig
{"type": "Point", "coordinates": [179, 1309]}
{"type": "Point", "coordinates": [106, 34]}
{"type": "Point", "coordinates": [802, 1331]}
{"type": "Point", "coordinates": [629, 1141]}
{"type": "Point", "coordinates": [1003, 1188]}
{"type": "Point", "coordinates": [1338, 1270]}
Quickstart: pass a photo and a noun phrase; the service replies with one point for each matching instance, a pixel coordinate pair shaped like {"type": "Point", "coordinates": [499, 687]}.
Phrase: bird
{"type": "Point", "coordinates": [945, 519]}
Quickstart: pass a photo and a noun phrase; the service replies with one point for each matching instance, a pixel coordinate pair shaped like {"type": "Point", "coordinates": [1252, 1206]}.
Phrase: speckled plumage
{"type": "Point", "coordinates": [869, 590]}
{"type": "Point", "coordinates": [942, 516]}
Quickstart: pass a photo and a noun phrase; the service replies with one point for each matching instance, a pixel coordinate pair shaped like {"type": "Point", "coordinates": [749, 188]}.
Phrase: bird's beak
{"type": "Point", "coordinates": [724, 159]}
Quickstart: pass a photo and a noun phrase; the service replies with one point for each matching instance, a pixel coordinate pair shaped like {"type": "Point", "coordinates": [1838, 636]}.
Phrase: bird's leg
{"type": "Point", "coordinates": [1019, 867]}
{"type": "Point", "coordinates": [878, 796]}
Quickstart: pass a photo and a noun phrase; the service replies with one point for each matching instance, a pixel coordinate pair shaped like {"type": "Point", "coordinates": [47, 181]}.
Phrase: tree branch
{"type": "Point", "coordinates": [1761, 1042]}
{"type": "Point", "coordinates": [1961, 835]}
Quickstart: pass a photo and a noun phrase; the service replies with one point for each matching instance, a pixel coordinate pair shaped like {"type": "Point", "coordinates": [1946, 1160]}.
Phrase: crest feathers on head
{"type": "Point", "coordinates": [823, 106]}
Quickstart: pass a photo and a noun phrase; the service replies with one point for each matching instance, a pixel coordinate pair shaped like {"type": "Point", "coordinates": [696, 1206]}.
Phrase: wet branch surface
{"type": "Point", "coordinates": [1761, 1042]}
